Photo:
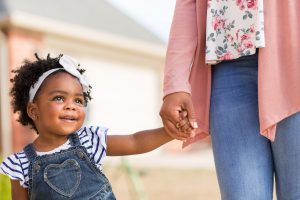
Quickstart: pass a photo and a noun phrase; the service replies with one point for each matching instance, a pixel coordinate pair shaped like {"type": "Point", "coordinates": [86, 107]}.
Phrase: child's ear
{"type": "Point", "coordinates": [32, 111]}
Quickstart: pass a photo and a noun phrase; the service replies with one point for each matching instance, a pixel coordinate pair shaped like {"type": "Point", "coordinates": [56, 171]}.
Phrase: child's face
{"type": "Point", "coordinates": [59, 106]}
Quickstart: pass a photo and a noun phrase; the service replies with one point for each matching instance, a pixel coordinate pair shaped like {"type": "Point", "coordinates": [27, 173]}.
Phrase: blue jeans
{"type": "Point", "coordinates": [247, 162]}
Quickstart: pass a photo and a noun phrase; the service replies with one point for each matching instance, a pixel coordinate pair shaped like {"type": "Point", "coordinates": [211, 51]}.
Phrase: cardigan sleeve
{"type": "Point", "coordinates": [181, 48]}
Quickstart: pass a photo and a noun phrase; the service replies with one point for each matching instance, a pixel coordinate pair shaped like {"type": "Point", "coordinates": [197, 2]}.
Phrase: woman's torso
{"type": "Point", "coordinates": [234, 28]}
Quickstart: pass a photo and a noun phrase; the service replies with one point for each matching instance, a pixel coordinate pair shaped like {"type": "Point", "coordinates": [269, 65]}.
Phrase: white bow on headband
{"type": "Point", "coordinates": [70, 65]}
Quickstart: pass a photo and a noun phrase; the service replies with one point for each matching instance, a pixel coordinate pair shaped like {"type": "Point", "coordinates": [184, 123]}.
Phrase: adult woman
{"type": "Point", "coordinates": [226, 97]}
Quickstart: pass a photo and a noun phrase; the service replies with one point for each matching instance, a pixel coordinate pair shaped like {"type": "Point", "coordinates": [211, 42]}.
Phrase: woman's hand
{"type": "Point", "coordinates": [176, 107]}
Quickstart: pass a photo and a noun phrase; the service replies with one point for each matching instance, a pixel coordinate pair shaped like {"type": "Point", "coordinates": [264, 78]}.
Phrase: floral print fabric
{"type": "Point", "coordinates": [234, 28]}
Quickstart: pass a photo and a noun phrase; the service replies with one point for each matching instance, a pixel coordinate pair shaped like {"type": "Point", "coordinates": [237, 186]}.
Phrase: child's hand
{"type": "Point", "coordinates": [184, 125]}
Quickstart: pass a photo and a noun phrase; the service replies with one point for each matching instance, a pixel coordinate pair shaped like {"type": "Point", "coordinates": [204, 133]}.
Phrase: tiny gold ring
{"type": "Point", "coordinates": [177, 125]}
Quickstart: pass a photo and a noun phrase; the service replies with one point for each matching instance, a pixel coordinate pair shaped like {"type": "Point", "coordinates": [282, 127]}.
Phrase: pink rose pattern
{"type": "Point", "coordinates": [235, 28]}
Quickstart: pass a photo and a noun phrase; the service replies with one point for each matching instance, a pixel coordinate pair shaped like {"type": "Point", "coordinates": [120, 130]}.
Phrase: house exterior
{"type": "Point", "coordinates": [124, 61]}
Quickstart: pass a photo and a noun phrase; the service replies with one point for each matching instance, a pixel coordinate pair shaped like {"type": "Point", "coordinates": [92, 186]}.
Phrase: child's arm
{"type": "Point", "coordinates": [140, 142]}
{"type": "Point", "coordinates": [17, 191]}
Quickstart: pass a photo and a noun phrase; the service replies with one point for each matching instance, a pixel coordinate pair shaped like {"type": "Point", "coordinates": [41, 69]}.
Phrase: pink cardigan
{"type": "Point", "coordinates": [278, 71]}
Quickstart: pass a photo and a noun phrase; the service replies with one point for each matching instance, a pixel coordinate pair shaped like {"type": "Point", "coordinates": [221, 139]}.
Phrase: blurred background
{"type": "Point", "coordinates": [122, 45]}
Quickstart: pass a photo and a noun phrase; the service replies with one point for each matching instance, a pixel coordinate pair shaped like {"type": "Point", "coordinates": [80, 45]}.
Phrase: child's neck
{"type": "Point", "coordinates": [43, 144]}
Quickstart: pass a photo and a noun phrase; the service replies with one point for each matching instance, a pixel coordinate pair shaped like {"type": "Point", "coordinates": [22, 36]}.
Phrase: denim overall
{"type": "Point", "coordinates": [69, 174]}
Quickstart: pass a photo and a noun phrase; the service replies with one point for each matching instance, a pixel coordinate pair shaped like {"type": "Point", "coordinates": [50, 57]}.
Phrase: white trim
{"type": "Point", "coordinates": [64, 29]}
{"type": "Point", "coordinates": [6, 129]}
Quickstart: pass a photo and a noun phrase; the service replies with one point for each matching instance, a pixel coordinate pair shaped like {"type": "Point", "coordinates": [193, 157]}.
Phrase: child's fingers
{"type": "Point", "coordinates": [182, 123]}
{"type": "Point", "coordinates": [174, 132]}
{"type": "Point", "coordinates": [185, 127]}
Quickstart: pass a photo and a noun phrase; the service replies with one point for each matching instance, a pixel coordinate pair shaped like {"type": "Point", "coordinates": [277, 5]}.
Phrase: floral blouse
{"type": "Point", "coordinates": [234, 28]}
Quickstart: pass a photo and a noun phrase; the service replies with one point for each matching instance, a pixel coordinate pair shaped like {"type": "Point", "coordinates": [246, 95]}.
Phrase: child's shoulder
{"type": "Point", "coordinates": [91, 131]}
{"type": "Point", "coordinates": [92, 135]}
{"type": "Point", "coordinates": [15, 166]}
{"type": "Point", "coordinates": [15, 159]}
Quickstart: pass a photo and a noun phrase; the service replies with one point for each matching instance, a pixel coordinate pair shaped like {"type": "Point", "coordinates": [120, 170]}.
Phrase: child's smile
{"type": "Point", "coordinates": [68, 118]}
{"type": "Point", "coordinates": [58, 109]}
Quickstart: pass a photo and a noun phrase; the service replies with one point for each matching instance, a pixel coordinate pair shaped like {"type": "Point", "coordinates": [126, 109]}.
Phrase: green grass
{"type": "Point", "coordinates": [5, 193]}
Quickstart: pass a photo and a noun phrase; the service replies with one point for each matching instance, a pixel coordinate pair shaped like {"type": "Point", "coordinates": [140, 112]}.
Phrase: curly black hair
{"type": "Point", "coordinates": [26, 76]}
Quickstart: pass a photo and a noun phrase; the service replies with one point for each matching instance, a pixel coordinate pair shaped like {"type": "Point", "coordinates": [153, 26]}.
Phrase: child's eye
{"type": "Point", "coordinates": [79, 101]}
{"type": "Point", "coordinates": [58, 98]}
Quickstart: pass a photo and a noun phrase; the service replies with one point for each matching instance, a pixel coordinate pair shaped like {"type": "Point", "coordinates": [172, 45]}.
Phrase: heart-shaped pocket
{"type": "Point", "coordinates": [64, 178]}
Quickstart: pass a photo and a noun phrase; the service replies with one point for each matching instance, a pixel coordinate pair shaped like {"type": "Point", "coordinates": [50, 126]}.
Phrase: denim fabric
{"type": "Point", "coordinates": [69, 174]}
{"type": "Point", "coordinates": [246, 161]}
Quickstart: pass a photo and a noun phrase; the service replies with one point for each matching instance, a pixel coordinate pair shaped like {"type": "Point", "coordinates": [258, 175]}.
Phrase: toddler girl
{"type": "Point", "coordinates": [64, 161]}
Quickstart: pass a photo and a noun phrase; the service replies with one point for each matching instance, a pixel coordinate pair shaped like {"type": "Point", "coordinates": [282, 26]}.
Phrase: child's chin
{"type": "Point", "coordinates": [69, 131]}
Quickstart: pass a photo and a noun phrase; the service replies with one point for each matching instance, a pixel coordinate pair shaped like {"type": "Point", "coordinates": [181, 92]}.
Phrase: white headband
{"type": "Point", "coordinates": [69, 64]}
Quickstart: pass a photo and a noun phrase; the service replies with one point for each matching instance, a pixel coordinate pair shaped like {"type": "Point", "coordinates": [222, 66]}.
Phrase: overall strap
{"type": "Point", "coordinates": [30, 152]}
{"type": "Point", "coordinates": [74, 139]}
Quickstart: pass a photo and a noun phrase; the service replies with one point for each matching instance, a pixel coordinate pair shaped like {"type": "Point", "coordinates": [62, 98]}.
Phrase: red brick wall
{"type": "Point", "coordinates": [21, 44]}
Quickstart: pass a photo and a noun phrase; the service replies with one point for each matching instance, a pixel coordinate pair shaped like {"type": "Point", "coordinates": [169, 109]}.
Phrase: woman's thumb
{"type": "Point", "coordinates": [191, 114]}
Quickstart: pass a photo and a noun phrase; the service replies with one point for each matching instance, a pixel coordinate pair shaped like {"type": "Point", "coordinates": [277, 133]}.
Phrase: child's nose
{"type": "Point", "coordinates": [70, 105]}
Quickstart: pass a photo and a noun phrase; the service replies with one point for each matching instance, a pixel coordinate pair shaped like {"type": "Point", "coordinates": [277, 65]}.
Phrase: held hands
{"type": "Point", "coordinates": [178, 115]}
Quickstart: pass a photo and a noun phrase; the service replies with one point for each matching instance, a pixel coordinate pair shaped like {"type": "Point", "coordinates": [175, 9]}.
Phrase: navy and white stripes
{"type": "Point", "coordinates": [93, 138]}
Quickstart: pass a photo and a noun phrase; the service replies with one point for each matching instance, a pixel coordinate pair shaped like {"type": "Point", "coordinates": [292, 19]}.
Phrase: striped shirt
{"type": "Point", "coordinates": [93, 138]}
